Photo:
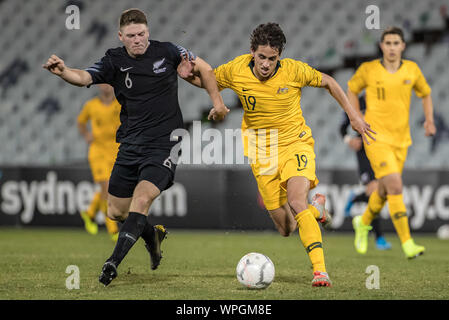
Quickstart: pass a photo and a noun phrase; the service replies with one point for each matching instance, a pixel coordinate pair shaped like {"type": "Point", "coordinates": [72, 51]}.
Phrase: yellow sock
{"type": "Point", "coordinates": [310, 235]}
{"type": "Point", "coordinates": [94, 206]}
{"type": "Point", "coordinates": [398, 214]}
{"type": "Point", "coordinates": [111, 225]}
{"type": "Point", "coordinates": [375, 205]}
{"type": "Point", "coordinates": [316, 213]}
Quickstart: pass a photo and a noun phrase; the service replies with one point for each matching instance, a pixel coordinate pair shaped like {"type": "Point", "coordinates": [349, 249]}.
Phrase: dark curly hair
{"type": "Point", "coordinates": [268, 34]}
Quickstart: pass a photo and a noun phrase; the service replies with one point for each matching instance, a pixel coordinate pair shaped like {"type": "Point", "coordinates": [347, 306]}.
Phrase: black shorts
{"type": "Point", "coordinates": [366, 173]}
{"type": "Point", "coordinates": [135, 163]}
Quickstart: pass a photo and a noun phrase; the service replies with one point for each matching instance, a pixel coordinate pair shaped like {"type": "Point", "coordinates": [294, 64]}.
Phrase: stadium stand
{"type": "Point", "coordinates": [38, 112]}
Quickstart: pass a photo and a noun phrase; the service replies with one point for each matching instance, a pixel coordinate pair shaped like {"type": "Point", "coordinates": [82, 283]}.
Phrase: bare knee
{"type": "Point", "coordinates": [371, 186]}
{"type": "Point", "coordinates": [284, 233]}
{"type": "Point", "coordinates": [391, 184]}
{"type": "Point", "coordinates": [117, 216]}
{"type": "Point", "coordinates": [283, 220]}
{"type": "Point", "coordinates": [394, 189]}
{"type": "Point", "coordinates": [381, 191]}
{"type": "Point", "coordinates": [115, 213]}
{"type": "Point", "coordinates": [298, 205]}
{"type": "Point", "coordinates": [141, 203]}
{"type": "Point", "coordinates": [287, 231]}
{"type": "Point", "coordinates": [144, 195]}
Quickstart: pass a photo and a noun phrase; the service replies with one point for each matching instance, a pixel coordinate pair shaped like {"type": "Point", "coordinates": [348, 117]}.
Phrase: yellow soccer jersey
{"type": "Point", "coordinates": [274, 103]}
{"type": "Point", "coordinates": [388, 98]}
{"type": "Point", "coordinates": [105, 119]}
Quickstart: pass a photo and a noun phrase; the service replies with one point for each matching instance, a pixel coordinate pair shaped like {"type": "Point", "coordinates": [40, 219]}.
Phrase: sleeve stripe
{"type": "Point", "coordinates": [92, 69]}
{"type": "Point", "coordinates": [96, 67]}
{"type": "Point", "coordinates": [183, 51]}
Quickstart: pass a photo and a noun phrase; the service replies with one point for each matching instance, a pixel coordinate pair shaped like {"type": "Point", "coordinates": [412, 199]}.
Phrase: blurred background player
{"type": "Point", "coordinates": [103, 112]}
{"type": "Point", "coordinates": [366, 176]}
{"type": "Point", "coordinates": [270, 90]}
{"type": "Point", "coordinates": [388, 83]}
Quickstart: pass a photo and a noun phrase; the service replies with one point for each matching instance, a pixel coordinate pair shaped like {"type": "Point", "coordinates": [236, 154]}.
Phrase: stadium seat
{"type": "Point", "coordinates": [215, 30]}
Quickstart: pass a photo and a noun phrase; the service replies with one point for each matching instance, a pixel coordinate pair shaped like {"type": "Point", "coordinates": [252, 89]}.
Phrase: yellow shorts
{"type": "Point", "coordinates": [297, 159]}
{"type": "Point", "coordinates": [385, 159]}
{"type": "Point", "coordinates": [101, 161]}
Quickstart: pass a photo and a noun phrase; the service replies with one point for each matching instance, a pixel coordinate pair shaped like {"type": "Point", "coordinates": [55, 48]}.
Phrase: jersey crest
{"type": "Point", "coordinates": [157, 66]}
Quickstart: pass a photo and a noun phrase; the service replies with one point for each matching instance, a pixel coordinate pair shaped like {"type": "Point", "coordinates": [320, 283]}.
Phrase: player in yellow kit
{"type": "Point", "coordinates": [103, 112]}
{"type": "Point", "coordinates": [276, 138]}
{"type": "Point", "coordinates": [388, 83]}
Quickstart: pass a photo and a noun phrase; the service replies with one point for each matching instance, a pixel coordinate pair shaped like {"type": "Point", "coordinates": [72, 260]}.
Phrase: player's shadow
{"type": "Point", "coordinates": [291, 279]}
{"type": "Point", "coordinates": [131, 279]}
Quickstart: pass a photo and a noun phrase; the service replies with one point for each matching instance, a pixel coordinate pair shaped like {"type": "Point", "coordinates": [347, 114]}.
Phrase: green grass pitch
{"type": "Point", "coordinates": [201, 265]}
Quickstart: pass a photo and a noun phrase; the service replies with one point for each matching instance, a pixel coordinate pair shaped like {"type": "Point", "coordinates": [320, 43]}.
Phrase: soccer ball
{"type": "Point", "coordinates": [443, 232]}
{"type": "Point", "coordinates": [255, 271]}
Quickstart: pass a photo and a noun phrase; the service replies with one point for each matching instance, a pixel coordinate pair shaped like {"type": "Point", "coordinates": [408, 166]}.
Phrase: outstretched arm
{"type": "Point", "coordinates": [353, 100]}
{"type": "Point", "coordinates": [199, 73]}
{"type": "Point", "coordinates": [429, 125]}
{"type": "Point", "coordinates": [76, 77]}
{"type": "Point", "coordinates": [354, 115]}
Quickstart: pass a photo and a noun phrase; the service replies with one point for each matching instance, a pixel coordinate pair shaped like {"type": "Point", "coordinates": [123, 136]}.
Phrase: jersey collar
{"type": "Point", "coordinates": [251, 66]}
{"type": "Point", "coordinates": [382, 63]}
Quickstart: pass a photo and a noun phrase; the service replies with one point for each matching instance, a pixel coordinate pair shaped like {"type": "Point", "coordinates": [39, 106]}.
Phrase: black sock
{"type": "Point", "coordinates": [130, 231]}
{"type": "Point", "coordinates": [362, 197]}
{"type": "Point", "coordinates": [376, 228]}
{"type": "Point", "coordinates": [148, 233]}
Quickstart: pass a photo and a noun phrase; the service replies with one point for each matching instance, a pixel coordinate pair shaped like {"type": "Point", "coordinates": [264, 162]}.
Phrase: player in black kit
{"type": "Point", "coordinates": [144, 75]}
{"type": "Point", "coordinates": [366, 175]}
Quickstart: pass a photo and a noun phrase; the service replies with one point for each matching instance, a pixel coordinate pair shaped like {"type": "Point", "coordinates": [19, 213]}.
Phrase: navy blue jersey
{"type": "Point", "coordinates": [147, 89]}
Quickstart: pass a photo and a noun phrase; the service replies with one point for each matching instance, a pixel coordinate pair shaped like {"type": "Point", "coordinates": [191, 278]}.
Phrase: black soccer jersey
{"type": "Point", "coordinates": [147, 89]}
